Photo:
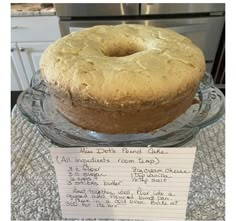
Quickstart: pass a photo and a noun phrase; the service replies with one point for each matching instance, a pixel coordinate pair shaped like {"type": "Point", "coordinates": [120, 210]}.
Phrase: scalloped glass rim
{"type": "Point", "coordinates": [36, 105]}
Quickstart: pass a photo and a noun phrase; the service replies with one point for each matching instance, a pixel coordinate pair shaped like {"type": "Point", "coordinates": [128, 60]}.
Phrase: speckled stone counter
{"type": "Point", "coordinates": [34, 186]}
{"type": "Point", "coordinates": [18, 10]}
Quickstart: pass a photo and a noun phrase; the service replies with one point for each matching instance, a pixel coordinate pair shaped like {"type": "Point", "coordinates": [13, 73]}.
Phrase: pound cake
{"type": "Point", "coordinates": [121, 79]}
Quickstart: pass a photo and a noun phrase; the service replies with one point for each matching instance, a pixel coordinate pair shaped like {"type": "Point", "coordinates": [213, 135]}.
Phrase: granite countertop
{"type": "Point", "coordinates": [23, 9]}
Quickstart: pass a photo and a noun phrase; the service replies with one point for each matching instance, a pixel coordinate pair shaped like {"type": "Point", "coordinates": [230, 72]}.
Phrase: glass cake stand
{"type": "Point", "coordinates": [37, 106]}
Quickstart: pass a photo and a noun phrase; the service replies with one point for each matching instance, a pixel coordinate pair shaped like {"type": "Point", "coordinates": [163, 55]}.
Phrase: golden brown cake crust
{"type": "Point", "coordinates": [122, 121]}
{"type": "Point", "coordinates": [123, 66]}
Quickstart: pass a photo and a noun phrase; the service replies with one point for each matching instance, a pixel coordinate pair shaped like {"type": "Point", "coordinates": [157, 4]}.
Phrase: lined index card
{"type": "Point", "coordinates": [123, 182]}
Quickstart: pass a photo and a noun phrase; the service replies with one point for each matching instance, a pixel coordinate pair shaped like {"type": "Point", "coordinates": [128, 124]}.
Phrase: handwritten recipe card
{"type": "Point", "coordinates": [123, 182]}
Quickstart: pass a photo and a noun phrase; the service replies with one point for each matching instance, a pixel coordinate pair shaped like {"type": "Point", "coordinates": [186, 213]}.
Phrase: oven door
{"type": "Point", "coordinates": [96, 9]}
{"type": "Point", "coordinates": [204, 32]}
{"type": "Point", "coordinates": [181, 8]}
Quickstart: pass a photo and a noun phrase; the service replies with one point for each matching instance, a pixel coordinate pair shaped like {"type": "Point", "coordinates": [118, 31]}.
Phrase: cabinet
{"type": "Point", "coordinates": [30, 54]}
{"type": "Point", "coordinates": [30, 36]}
{"type": "Point", "coordinates": [19, 80]}
{"type": "Point", "coordinates": [25, 59]}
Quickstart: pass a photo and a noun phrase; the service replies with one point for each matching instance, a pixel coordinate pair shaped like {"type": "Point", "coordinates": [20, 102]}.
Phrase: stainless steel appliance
{"type": "Point", "coordinates": [202, 23]}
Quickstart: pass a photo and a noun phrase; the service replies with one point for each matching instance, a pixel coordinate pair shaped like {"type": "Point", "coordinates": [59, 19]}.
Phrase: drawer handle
{"type": "Point", "coordinates": [12, 49]}
{"type": "Point", "coordinates": [18, 27]}
{"type": "Point", "coordinates": [22, 49]}
{"type": "Point", "coordinates": [14, 27]}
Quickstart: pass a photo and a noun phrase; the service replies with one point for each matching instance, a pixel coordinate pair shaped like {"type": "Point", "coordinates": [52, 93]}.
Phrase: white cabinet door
{"type": "Point", "coordinates": [18, 77]}
{"type": "Point", "coordinates": [30, 55]}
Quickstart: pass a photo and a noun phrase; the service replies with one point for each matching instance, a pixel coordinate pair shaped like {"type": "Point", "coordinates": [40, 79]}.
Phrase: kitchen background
{"type": "Point", "coordinates": [35, 26]}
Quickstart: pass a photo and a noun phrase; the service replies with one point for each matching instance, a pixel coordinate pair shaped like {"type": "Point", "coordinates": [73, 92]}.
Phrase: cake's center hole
{"type": "Point", "coordinates": [122, 50]}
